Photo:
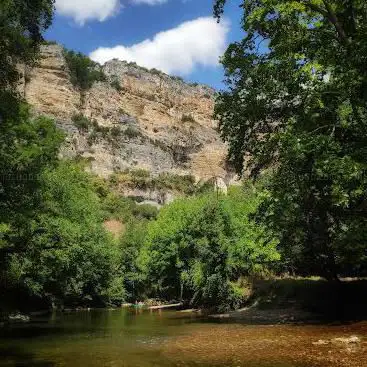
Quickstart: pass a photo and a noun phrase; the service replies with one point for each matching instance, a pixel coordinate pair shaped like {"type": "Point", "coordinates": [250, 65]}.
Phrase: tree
{"type": "Point", "coordinates": [52, 242]}
{"type": "Point", "coordinates": [84, 72]}
{"type": "Point", "coordinates": [135, 273]}
{"type": "Point", "coordinates": [296, 103]}
{"type": "Point", "coordinates": [69, 256]}
{"type": "Point", "coordinates": [21, 25]}
{"type": "Point", "coordinates": [28, 147]}
{"type": "Point", "coordinates": [198, 248]}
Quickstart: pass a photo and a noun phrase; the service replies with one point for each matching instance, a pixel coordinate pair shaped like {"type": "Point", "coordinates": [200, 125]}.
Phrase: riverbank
{"type": "Point", "coordinates": [302, 300]}
{"type": "Point", "coordinates": [271, 301]}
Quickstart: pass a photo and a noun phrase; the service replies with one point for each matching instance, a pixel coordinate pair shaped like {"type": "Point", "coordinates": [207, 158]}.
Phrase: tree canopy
{"type": "Point", "coordinates": [199, 247]}
{"type": "Point", "coordinates": [22, 23]}
{"type": "Point", "coordinates": [296, 104]}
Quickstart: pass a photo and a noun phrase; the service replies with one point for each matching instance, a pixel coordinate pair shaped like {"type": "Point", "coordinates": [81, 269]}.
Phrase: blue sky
{"type": "Point", "coordinates": [176, 36]}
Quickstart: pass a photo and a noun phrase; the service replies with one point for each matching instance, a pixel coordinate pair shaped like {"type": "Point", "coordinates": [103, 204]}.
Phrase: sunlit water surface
{"type": "Point", "coordinates": [137, 338]}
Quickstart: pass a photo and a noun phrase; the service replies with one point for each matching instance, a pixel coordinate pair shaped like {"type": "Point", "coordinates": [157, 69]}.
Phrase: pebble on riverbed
{"type": "Point", "coordinates": [351, 340]}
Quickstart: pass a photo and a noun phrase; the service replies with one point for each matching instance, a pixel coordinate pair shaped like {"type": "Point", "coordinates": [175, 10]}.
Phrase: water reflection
{"type": "Point", "coordinates": [136, 337]}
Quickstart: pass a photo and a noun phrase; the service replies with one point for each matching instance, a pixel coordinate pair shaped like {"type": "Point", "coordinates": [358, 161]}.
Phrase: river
{"type": "Point", "coordinates": [143, 338]}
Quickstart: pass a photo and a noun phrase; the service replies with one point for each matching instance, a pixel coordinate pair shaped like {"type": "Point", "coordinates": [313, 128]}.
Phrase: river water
{"type": "Point", "coordinates": [137, 338]}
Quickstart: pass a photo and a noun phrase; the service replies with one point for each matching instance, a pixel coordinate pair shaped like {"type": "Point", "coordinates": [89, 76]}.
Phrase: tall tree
{"type": "Point", "coordinates": [27, 145]}
{"type": "Point", "coordinates": [69, 257]}
{"type": "Point", "coordinates": [21, 25]}
{"type": "Point", "coordinates": [297, 102]}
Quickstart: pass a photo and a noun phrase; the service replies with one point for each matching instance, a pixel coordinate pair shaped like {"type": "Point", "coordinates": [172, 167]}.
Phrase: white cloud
{"type": "Point", "coordinates": [84, 10]}
{"type": "Point", "coordinates": [178, 50]}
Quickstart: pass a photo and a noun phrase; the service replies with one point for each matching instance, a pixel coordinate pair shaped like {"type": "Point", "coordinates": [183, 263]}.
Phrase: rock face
{"type": "Point", "coordinates": [166, 125]}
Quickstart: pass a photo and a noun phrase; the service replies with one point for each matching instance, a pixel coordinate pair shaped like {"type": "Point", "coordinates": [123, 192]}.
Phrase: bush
{"type": "Point", "coordinates": [123, 112]}
{"type": "Point", "coordinates": [145, 211]}
{"type": "Point", "coordinates": [116, 84]}
{"type": "Point", "coordinates": [84, 72]}
{"type": "Point", "coordinates": [104, 131]}
{"type": "Point", "coordinates": [155, 71]}
{"type": "Point", "coordinates": [115, 131]}
{"type": "Point", "coordinates": [49, 42]}
{"type": "Point", "coordinates": [181, 183]}
{"type": "Point", "coordinates": [140, 178]}
{"type": "Point", "coordinates": [92, 137]}
{"type": "Point", "coordinates": [187, 118]}
{"type": "Point", "coordinates": [131, 132]}
{"type": "Point", "coordinates": [135, 178]}
{"type": "Point", "coordinates": [178, 78]}
{"type": "Point", "coordinates": [81, 122]}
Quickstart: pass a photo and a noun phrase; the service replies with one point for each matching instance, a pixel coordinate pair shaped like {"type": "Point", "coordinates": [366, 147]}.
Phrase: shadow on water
{"type": "Point", "coordinates": [295, 302]}
{"type": "Point", "coordinates": [304, 301]}
{"type": "Point", "coordinates": [19, 358]}
{"type": "Point", "coordinates": [142, 338]}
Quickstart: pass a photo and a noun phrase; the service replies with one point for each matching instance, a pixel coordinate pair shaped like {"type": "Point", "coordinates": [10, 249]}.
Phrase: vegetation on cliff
{"type": "Point", "coordinates": [83, 71]}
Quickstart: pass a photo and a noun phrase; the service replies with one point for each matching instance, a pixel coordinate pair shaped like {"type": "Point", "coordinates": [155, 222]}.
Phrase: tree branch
{"type": "Point", "coordinates": [333, 19]}
{"type": "Point", "coordinates": [329, 14]}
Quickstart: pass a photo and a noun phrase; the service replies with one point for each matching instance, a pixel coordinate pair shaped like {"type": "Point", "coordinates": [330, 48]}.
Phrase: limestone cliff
{"type": "Point", "coordinates": [165, 125]}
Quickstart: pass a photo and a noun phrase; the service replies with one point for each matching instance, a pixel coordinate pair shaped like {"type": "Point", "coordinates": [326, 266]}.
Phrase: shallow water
{"type": "Point", "coordinates": [134, 338]}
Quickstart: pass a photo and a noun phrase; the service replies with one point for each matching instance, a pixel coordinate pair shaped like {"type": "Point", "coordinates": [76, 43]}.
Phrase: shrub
{"type": "Point", "coordinates": [84, 72]}
{"type": "Point", "coordinates": [104, 131]}
{"type": "Point", "coordinates": [140, 178]}
{"type": "Point", "coordinates": [47, 42]}
{"type": "Point", "coordinates": [115, 131]}
{"type": "Point", "coordinates": [155, 71]}
{"type": "Point", "coordinates": [131, 132]}
{"type": "Point", "coordinates": [187, 118]}
{"type": "Point", "coordinates": [123, 112]}
{"type": "Point", "coordinates": [92, 138]}
{"type": "Point", "coordinates": [181, 183]}
{"type": "Point", "coordinates": [178, 78]}
{"type": "Point", "coordinates": [81, 122]}
{"type": "Point", "coordinates": [135, 178]}
{"type": "Point", "coordinates": [145, 211]}
{"type": "Point", "coordinates": [116, 84]}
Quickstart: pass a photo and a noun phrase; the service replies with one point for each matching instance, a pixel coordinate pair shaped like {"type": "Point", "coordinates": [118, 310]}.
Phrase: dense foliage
{"type": "Point", "coordinates": [296, 103]}
{"type": "Point", "coordinates": [53, 247]}
{"type": "Point", "coordinates": [69, 257]}
{"type": "Point", "coordinates": [199, 247]}
{"type": "Point", "coordinates": [84, 72]}
{"type": "Point", "coordinates": [21, 27]}
{"type": "Point", "coordinates": [28, 146]}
